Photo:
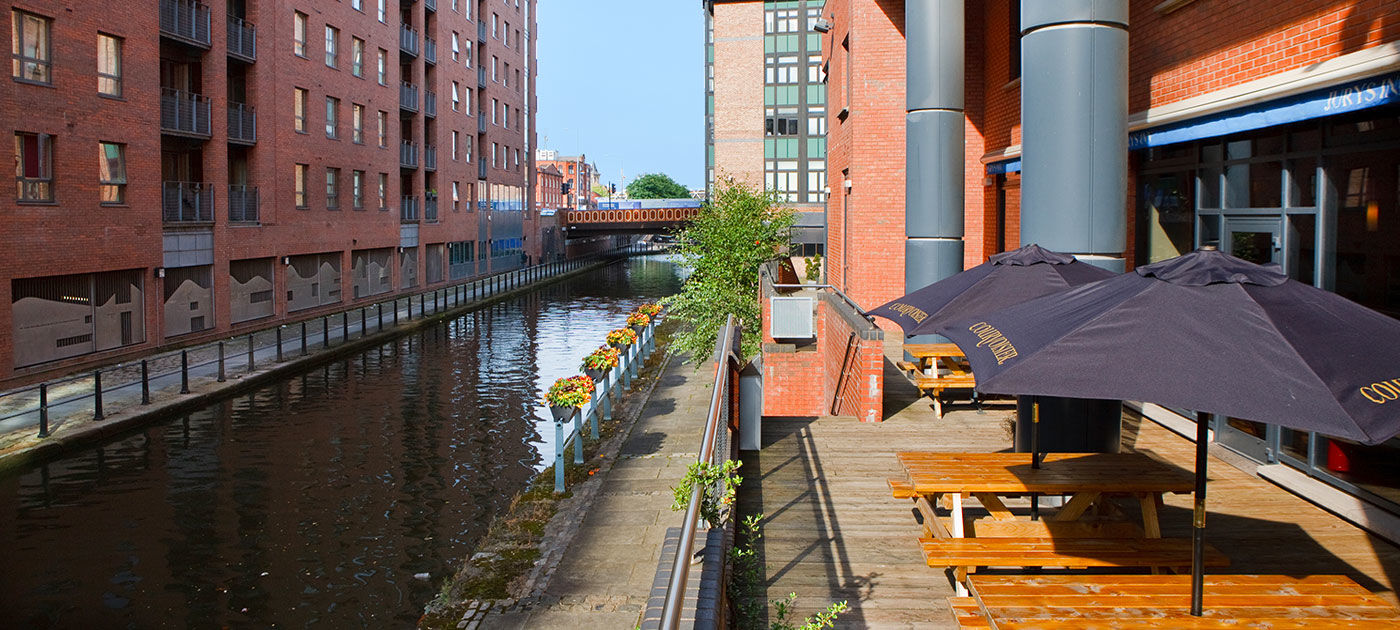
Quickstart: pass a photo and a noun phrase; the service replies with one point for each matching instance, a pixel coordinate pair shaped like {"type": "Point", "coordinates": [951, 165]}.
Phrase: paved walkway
{"type": "Point", "coordinates": [606, 574]}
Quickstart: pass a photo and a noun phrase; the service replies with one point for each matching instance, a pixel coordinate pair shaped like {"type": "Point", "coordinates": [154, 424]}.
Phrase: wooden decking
{"type": "Point", "coordinates": [832, 530]}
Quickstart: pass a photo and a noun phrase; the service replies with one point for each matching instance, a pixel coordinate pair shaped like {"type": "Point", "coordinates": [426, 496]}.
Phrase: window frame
{"type": "Point", "coordinates": [357, 190]}
{"type": "Point", "coordinates": [300, 24]}
{"type": "Point", "coordinates": [44, 179]}
{"type": "Point", "coordinates": [118, 182]}
{"type": "Point", "coordinates": [357, 123]}
{"type": "Point", "coordinates": [301, 196]}
{"type": "Point", "coordinates": [384, 192]}
{"type": "Point", "coordinates": [299, 98]}
{"type": "Point", "coordinates": [332, 188]}
{"type": "Point", "coordinates": [116, 78]}
{"type": "Point", "coordinates": [332, 47]}
{"type": "Point", "coordinates": [382, 120]}
{"type": "Point", "coordinates": [357, 57]}
{"type": "Point", "coordinates": [332, 118]}
{"type": "Point", "coordinates": [20, 63]}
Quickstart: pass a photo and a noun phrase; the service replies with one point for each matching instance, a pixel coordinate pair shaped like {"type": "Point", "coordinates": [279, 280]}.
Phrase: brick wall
{"type": "Point", "coordinates": [738, 118]}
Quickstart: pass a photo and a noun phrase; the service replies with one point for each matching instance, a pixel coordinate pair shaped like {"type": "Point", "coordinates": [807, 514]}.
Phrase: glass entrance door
{"type": "Point", "coordinates": [1258, 240]}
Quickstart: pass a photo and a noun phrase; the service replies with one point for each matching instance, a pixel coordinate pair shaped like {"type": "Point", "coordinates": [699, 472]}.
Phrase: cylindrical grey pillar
{"type": "Point", "coordinates": [934, 141]}
{"type": "Point", "coordinates": [1074, 128]}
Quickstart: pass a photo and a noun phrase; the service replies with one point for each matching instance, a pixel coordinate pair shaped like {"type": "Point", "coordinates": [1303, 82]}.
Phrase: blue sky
{"type": "Point", "coordinates": [622, 80]}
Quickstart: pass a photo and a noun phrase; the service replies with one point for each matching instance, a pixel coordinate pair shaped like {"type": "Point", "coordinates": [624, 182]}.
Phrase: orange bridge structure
{"type": "Point", "coordinates": [645, 216]}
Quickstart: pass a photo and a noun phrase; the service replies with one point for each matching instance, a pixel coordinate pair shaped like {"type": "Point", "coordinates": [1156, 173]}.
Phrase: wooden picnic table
{"type": "Point", "coordinates": [1131, 602]}
{"type": "Point", "coordinates": [939, 367]}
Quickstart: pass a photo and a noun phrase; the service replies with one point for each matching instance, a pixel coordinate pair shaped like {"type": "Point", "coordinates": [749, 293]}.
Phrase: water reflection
{"type": "Point", "coordinates": [313, 502]}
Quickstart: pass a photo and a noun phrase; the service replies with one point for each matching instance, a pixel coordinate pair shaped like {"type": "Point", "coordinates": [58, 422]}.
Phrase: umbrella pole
{"type": "Point", "coordinates": [1198, 530]}
{"type": "Point", "coordinates": [1035, 452]}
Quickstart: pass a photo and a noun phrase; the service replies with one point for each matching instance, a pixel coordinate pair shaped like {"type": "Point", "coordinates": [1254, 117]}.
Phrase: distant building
{"type": "Point", "coordinates": [577, 175]}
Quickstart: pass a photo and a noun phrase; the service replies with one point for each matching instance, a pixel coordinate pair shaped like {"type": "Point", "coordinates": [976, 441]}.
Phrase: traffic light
{"type": "Point", "coordinates": [612, 189]}
{"type": "Point", "coordinates": [565, 188]}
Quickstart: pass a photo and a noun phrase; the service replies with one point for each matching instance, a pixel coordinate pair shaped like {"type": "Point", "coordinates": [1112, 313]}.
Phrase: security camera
{"type": "Point", "coordinates": [821, 26]}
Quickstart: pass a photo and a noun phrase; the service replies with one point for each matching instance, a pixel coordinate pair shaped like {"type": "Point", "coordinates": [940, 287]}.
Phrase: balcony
{"type": "Point", "coordinates": [187, 202]}
{"type": "Point", "coordinates": [430, 209]}
{"type": "Point", "coordinates": [481, 122]}
{"type": "Point", "coordinates": [408, 40]}
{"type": "Point", "coordinates": [430, 5]}
{"type": "Point", "coordinates": [408, 97]}
{"type": "Point", "coordinates": [480, 169]}
{"type": "Point", "coordinates": [430, 50]}
{"type": "Point", "coordinates": [430, 104]}
{"type": "Point", "coordinates": [242, 204]}
{"type": "Point", "coordinates": [186, 21]}
{"type": "Point", "coordinates": [408, 155]}
{"type": "Point", "coordinates": [430, 157]}
{"type": "Point", "coordinates": [481, 30]}
{"type": "Point", "coordinates": [242, 124]}
{"type": "Point", "coordinates": [242, 40]}
{"type": "Point", "coordinates": [408, 213]}
{"type": "Point", "coordinates": [481, 76]}
{"type": "Point", "coordinates": [184, 113]}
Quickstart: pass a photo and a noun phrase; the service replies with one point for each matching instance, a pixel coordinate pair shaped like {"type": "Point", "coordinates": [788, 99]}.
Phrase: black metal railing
{"type": "Point", "coordinates": [480, 29]}
{"type": "Point", "coordinates": [187, 202]}
{"type": "Point", "coordinates": [430, 50]}
{"type": "Point", "coordinates": [242, 123]}
{"type": "Point", "coordinates": [408, 40]}
{"type": "Point", "coordinates": [481, 122]}
{"type": "Point", "coordinates": [408, 97]}
{"type": "Point", "coordinates": [430, 103]}
{"type": "Point", "coordinates": [430, 205]}
{"type": "Point", "coordinates": [408, 154]}
{"type": "Point", "coordinates": [430, 157]}
{"type": "Point", "coordinates": [242, 204]}
{"type": "Point", "coordinates": [185, 20]}
{"type": "Point", "coordinates": [184, 112]}
{"type": "Point", "coordinates": [408, 212]}
{"type": "Point", "coordinates": [481, 76]}
{"type": "Point", "coordinates": [242, 39]}
{"type": "Point", "coordinates": [480, 168]}
{"type": "Point", "coordinates": [430, 5]}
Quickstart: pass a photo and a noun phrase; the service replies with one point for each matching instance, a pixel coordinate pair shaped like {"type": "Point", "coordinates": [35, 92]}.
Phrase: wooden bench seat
{"type": "Point", "coordinates": [908, 367]}
{"type": "Point", "coordinates": [933, 386]}
{"type": "Point", "coordinates": [998, 528]}
{"type": "Point", "coordinates": [968, 613]}
{"type": "Point", "coordinates": [1063, 552]}
{"type": "Point", "coordinates": [901, 488]}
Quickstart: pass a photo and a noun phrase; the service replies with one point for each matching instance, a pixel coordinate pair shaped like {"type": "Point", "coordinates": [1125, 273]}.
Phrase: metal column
{"type": "Point", "coordinates": [934, 141]}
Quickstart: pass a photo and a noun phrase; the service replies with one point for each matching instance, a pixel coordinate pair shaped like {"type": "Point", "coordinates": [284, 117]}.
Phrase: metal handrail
{"type": "Point", "coordinates": [680, 564]}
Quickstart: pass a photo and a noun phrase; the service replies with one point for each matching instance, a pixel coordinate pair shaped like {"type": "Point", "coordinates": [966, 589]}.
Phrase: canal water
{"type": "Point", "coordinates": [314, 502]}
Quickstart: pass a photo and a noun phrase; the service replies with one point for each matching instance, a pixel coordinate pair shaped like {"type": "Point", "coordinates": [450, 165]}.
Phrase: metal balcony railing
{"type": "Point", "coordinates": [242, 124]}
{"type": "Point", "coordinates": [185, 20]}
{"type": "Point", "coordinates": [481, 30]}
{"type": "Point", "coordinates": [242, 39]}
{"type": "Point", "coordinates": [430, 157]}
{"type": "Point", "coordinates": [184, 112]}
{"type": "Point", "coordinates": [187, 202]}
{"type": "Point", "coordinates": [408, 97]}
{"type": "Point", "coordinates": [430, 104]}
{"type": "Point", "coordinates": [408, 40]}
{"type": "Point", "coordinates": [430, 5]}
{"type": "Point", "coordinates": [430, 209]}
{"type": "Point", "coordinates": [242, 204]}
{"type": "Point", "coordinates": [481, 169]}
{"type": "Point", "coordinates": [430, 50]}
{"type": "Point", "coordinates": [408, 155]}
{"type": "Point", "coordinates": [408, 213]}
{"type": "Point", "coordinates": [481, 76]}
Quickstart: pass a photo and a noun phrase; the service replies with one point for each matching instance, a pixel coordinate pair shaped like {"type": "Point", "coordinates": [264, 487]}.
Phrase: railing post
{"type": "Point", "coordinates": [43, 410]}
{"type": "Point", "coordinates": [97, 394]}
{"type": "Point", "coordinates": [220, 378]}
{"type": "Point", "coordinates": [250, 353]}
{"type": "Point", "coordinates": [380, 306]}
{"type": "Point", "coordinates": [145, 383]}
{"type": "Point", "coordinates": [396, 311]}
{"type": "Point", "coordinates": [558, 456]}
{"type": "Point", "coordinates": [325, 331]}
{"type": "Point", "coordinates": [422, 311]}
{"type": "Point", "coordinates": [184, 371]}
{"type": "Point", "coordinates": [303, 338]}
{"type": "Point", "coordinates": [578, 441]}
{"type": "Point", "coordinates": [364, 330]}
{"type": "Point", "coordinates": [279, 343]}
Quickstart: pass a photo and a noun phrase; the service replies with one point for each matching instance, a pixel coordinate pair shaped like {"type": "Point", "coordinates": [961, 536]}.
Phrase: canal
{"type": "Point", "coordinates": [316, 501]}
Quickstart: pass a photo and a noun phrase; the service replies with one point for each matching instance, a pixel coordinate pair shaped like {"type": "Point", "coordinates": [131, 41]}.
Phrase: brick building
{"type": "Point", "coordinates": [577, 178]}
{"type": "Point", "coordinates": [765, 106]}
{"type": "Point", "coordinates": [1139, 130]}
{"type": "Point", "coordinates": [190, 171]}
{"type": "Point", "coordinates": [549, 199]}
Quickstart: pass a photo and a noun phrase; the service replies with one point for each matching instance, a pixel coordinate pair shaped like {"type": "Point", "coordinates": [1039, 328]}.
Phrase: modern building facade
{"type": "Point", "coordinates": [1124, 132]}
{"type": "Point", "coordinates": [191, 171]}
{"type": "Point", "coordinates": [765, 105]}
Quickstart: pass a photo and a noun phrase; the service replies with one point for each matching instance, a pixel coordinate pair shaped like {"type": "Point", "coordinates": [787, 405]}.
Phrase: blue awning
{"type": "Point", "coordinates": [1012, 165]}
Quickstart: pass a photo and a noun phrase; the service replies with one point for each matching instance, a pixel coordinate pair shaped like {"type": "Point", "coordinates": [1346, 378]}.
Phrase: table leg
{"type": "Point", "coordinates": [933, 526]}
{"type": "Point", "coordinates": [994, 506]}
{"type": "Point", "coordinates": [1151, 528]}
{"type": "Point", "coordinates": [1076, 506]}
{"type": "Point", "coordinates": [957, 515]}
{"type": "Point", "coordinates": [937, 406]}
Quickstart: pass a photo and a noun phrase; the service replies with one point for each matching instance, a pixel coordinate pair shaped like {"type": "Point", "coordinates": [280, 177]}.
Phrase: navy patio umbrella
{"type": "Point", "coordinates": [1206, 331]}
{"type": "Point", "coordinates": [1005, 279]}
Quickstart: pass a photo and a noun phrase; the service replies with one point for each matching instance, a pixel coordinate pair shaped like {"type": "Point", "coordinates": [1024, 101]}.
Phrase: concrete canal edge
{"type": "Point", "coordinates": [525, 589]}
{"type": "Point", "coordinates": [122, 419]}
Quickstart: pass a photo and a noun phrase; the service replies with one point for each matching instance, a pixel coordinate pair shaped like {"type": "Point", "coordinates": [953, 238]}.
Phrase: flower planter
{"type": "Point", "coordinates": [562, 412]}
{"type": "Point", "coordinates": [637, 328]}
{"type": "Point", "coordinates": [596, 375]}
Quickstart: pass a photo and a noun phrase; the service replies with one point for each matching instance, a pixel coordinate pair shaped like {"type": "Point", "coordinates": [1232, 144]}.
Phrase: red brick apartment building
{"type": "Point", "coordinates": [576, 175]}
{"type": "Point", "coordinates": [186, 171]}
{"type": "Point", "coordinates": [1124, 132]}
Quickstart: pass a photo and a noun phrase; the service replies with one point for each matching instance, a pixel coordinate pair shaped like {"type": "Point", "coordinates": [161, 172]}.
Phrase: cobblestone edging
{"type": "Point", "coordinates": [560, 531]}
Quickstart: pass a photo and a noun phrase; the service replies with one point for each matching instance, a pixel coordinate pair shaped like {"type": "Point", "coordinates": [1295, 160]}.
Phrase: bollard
{"type": "Point", "coordinates": [303, 338]}
{"type": "Point", "coordinates": [184, 372]}
{"type": "Point", "coordinates": [250, 352]}
{"type": "Point", "coordinates": [279, 344]}
{"type": "Point", "coordinates": [325, 331]}
{"type": "Point", "coordinates": [145, 383]}
{"type": "Point", "coordinates": [44, 410]}
{"type": "Point", "coordinates": [221, 362]}
{"type": "Point", "coordinates": [97, 394]}
{"type": "Point", "coordinates": [558, 457]}
{"type": "Point", "coordinates": [364, 330]}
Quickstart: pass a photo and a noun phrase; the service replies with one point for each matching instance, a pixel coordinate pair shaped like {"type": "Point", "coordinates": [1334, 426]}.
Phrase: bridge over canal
{"type": "Point", "coordinates": [645, 216]}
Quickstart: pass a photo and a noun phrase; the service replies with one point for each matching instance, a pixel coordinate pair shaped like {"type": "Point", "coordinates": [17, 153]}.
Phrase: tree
{"type": "Point", "coordinates": [656, 186]}
{"type": "Point", "coordinates": [600, 190]}
{"type": "Point", "coordinates": [737, 230]}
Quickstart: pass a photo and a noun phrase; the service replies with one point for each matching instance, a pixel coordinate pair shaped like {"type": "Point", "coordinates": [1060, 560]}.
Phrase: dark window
{"type": "Point", "coordinates": [34, 166]}
{"type": "Point", "coordinates": [112, 172]}
{"type": "Point", "coordinates": [1013, 48]}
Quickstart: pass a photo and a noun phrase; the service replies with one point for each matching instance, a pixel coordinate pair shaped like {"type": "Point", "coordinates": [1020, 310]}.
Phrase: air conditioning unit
{"type": "Point", "coordinates": [790, 318]}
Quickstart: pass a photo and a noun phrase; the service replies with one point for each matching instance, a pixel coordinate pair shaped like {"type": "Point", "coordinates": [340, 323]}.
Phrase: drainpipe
{"type": "Point", "coordinates": [1074, 128]}
{"type": "Point", "coordinates": [934, 141]}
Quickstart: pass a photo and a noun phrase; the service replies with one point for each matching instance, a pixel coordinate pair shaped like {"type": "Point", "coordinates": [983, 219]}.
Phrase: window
{"type": "Point", "coordinates": [299, 97]}
{"type": "Point", "coordinates": [495, 106]}
{"type": "Point", "coordinates": [1013, 62]}
{"type": "Point", "coordinates": [109, 65]}
{"type": "Point", "coordinates": [332, 48]}
{"type": "Point", "coordinates": [357, 190]}
{"type": "Point", "coordinates": [505, 74]}
{"type": "Point", "coordinates": [357, 57]}
{"type": "Point", "coordinates": [456, 47]}
{"type": "Point", "coordinates": [32, 55]}
{"type": "Point", "coordinates": [299, 173]}
{"type": "Point", "coordinates": [299, 34]}
{"type": "Point", "coordinates": [495, 31]}
{"type": "Point", "coordinates": [383, 121]}
{"type": "Point", "coordinates": [383, 191]}
{"type": "Point", "coordinates": [495, 151]}
{"type": "Point", "coordinates": [358, 5]}
{"type": "Point", "coordinates": [495, 63]}
{"type": "Point", "coordinates": [456, 97]}
{"type": "Point", "coordinates": [34, 166]}
{"type": "Point", "coordinates": [505, 34]}
{"type": "Point", "coordinates": [469, 101]}
{"type": "Point", "coordinates": [332, 189]}
{"type": "Point", "coordinates": [468, 56]}
{"type": "Point", "coordinates": [111, 169]}
{"type": "Point", "coordinates": [381, 10]}
{"type": "Point", "coordinates": [454, 145]}
{"type": "Point", "coordinates": [332, 115]}
{"type": "Point", "coordinates": [505, 115]}
{"type": "Point", "coordinates": [456, 199]}
{"type": "Point", "coordinates": [517, 159]}
{"type": "Point", "coordinates": [467, 149]}
{"type": "Point", "coordinates": [357, 123]}
{"type": "Point", "coordinates": [517, 80]}
{"type": "Point", "coordinates": [383, 66]}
